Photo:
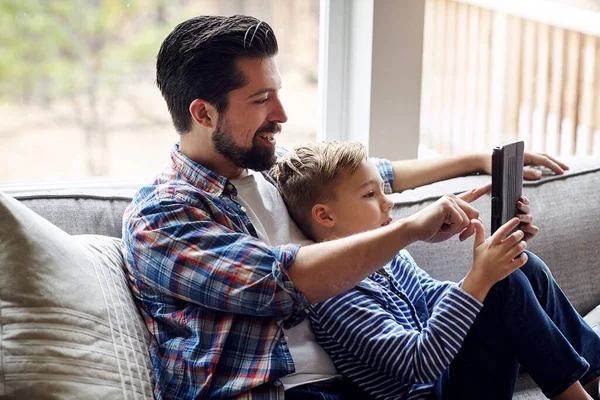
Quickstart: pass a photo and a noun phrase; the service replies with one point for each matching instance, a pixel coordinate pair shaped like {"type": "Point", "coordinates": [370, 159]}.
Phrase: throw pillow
{"type": "Point", "coordinates": [69, 327]}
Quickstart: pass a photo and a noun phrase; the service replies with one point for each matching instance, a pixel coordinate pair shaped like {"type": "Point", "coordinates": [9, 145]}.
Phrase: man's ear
{"type": "Point", "coordinates": [204, 113]}
{"type": "Point", "coordinates": [321, 215]}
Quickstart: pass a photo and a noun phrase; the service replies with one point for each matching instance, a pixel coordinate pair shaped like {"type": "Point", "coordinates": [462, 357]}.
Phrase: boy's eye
{"type": "Point", "coordinates": [370, 194]}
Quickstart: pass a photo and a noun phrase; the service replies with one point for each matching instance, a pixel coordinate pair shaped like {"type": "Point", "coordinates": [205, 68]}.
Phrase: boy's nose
{"type": "Point", "coordinates": [387, 204]}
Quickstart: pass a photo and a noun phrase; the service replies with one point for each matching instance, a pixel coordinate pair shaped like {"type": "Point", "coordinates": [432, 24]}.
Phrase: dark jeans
{"type": "Point", "coordinates": [339, 389]}
{"type": "Point", "coordinates": [527, 320]}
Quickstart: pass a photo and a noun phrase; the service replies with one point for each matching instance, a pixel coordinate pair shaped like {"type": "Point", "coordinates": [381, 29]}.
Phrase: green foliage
{"type": "Point", "coordinates": [55, 48]}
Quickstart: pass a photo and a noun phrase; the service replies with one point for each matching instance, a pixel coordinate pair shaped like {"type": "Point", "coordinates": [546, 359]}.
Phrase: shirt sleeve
{"type": "Point", "coordinates": [386, 171]}
{"type": "Point", "coordinates": [432, 288]}
{"type": "Point", "coordinates": [179, 250]}
{"type": "Point", "coordinates": [370, 333]}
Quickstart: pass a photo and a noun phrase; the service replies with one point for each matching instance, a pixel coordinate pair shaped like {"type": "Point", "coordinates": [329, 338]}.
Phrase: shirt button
{"type": "Point", "coordinates": [243, 209]}
{"type": "Point", "coordinates": [277, 383]}
{"type": "Point", "coordinates": [229, 187]}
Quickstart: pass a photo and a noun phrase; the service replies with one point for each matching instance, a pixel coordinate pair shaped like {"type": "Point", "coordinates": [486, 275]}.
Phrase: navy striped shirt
{"type": "Point", "coordinates": [395, 336]}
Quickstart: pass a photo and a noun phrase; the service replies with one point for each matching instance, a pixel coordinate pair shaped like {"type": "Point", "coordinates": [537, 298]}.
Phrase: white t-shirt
{"type": "Point", "coordinates": [267, 212]}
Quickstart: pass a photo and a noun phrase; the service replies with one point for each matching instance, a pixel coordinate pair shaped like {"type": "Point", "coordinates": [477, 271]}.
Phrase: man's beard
{"type": "Point", "coordinates": [257, 158]}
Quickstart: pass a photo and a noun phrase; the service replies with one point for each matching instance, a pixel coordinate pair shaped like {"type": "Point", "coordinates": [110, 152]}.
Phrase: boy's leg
{"type": "Point", "coordinates": [560, 310]}
{"type": "Point", "coordinates": [512, 327]}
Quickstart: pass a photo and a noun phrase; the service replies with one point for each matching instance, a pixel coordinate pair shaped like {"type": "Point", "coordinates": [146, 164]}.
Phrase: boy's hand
{"type": "Point", "coordinates": [448, 216]}
{"type": "Point", "coordinates": [526, 219]}
{"type": "Point", "coordinates": [495, 258]}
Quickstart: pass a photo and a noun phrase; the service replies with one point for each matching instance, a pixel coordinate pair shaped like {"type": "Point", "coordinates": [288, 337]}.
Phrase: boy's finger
{"type": "Point", "coordinates": [514, 238]}
{"type": "Point", "coordinates": [518, 262]}
{"type": "Point", "coordinates": [525, 208]}
{"type": "Point", "coordinates": [504, 230]}
{"type": "Point", "coordinates": [475, 193]}
{"type": "Point", "coordinates": [479, 232]}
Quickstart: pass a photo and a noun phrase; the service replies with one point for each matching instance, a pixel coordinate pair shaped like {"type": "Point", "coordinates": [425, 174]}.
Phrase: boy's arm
{"type": "Point", "coordinates": [371, 334]}
{"type": "Point", "coordinates": [433, 289]}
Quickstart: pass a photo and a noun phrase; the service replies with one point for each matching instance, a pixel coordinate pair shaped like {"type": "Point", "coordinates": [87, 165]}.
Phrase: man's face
{"type": "Point", "coordinates": [245, 132]}
{"type": "Point", "coordinates": [360, 204]}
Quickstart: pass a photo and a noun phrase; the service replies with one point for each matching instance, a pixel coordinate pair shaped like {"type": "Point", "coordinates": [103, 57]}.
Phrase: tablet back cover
{"type": "Point", "coordinates": [507, 182]}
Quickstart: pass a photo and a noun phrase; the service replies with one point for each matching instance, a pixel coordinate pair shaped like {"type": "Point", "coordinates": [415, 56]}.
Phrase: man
{"type": "Point", "coordinates": [221, 273]}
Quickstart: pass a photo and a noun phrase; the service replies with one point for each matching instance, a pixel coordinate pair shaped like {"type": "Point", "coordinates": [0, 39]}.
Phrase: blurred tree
{"type": "Point", "coordinates": [81, 50]}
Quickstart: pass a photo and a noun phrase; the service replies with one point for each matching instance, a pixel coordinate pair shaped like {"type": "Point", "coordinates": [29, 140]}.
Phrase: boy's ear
{"type": "Point", "coordinates": [204, 113]}
{"type": "Point", "coordinates": [322, 216]}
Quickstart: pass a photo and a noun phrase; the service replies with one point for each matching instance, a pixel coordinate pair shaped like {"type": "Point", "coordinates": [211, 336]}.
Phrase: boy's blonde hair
{"type": "Point", "coordinates": [308, 175]}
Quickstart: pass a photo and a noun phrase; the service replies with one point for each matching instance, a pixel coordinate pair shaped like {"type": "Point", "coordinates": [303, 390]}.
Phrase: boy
{"type": "Point", "coordinates": [399, 334]}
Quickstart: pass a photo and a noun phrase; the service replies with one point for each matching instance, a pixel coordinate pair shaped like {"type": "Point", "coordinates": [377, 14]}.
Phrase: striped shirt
{"type": "Point", "coordinates": [395, 336]}
{"type": "Point", "coordinates": [214, 297]}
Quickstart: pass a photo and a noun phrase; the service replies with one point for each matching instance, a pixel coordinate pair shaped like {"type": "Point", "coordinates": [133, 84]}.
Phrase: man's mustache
{"type": "Point", "coordinates": [272, 127]}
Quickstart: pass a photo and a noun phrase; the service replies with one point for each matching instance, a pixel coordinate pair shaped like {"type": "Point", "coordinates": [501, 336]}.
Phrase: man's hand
{"type": "Point", "coordinates": [448, 216]}
{"type": "Point", "coordinates": [526, 224]}
{"type": "Point", "coordinates": [533, 159]}
{"type": "Point", "coordinates": [542, 160]}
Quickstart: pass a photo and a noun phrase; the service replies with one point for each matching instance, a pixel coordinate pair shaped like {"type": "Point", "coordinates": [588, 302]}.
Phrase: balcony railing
{"type": "Point", "coordinates": [498, 71]}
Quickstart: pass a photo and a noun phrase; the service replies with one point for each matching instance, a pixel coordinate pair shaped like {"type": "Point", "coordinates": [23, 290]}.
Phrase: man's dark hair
{"type": "Point", "coordinates": [198, 60]}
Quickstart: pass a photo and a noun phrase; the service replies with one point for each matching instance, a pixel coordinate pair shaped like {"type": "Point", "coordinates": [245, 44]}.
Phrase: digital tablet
{"type": "Point", "coordinates": [507, 182]}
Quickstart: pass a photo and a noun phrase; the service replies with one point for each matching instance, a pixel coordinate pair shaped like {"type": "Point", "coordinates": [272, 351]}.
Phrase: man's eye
{"type": "Point", "coordinates": [262, 101]}
{"type": "Point", "coordinates": [370, 194]}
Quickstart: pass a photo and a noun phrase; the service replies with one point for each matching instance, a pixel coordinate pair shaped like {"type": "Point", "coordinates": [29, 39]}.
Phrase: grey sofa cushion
{"type": "Point", "coordinates": [69, 327]}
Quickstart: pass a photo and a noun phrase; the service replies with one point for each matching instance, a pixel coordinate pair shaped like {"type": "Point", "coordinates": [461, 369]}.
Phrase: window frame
{"type": "Point", "coordinates": [370, 69]}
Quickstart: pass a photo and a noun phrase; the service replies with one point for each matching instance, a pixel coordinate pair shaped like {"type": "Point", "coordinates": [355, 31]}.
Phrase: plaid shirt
{"type": "Point", "coordinates": [214, 297]}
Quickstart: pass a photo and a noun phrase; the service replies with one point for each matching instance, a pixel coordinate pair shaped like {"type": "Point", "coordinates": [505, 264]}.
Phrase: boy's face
{"type": "Point", "coordinates": [360, 204]}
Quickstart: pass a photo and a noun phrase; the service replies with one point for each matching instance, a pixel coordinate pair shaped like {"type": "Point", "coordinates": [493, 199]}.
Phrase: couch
{"type": "Point", "coordinates": [69, 327]}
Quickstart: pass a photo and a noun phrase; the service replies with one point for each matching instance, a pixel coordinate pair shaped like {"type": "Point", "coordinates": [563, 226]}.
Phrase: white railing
{"type": "Point", "coordinates": [500, 70]}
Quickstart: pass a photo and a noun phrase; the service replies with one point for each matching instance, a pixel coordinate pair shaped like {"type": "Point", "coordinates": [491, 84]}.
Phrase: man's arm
{"type": "Point", "coordinates": [324, 270]}
{"type": "Point", "coordinates": [410, 174]}
{"type": "Point", "coordinates": [179, 250]}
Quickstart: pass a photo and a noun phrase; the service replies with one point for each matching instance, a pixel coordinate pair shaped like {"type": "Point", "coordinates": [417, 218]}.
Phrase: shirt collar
{"type": "Point", "coordinates": [200, 176]}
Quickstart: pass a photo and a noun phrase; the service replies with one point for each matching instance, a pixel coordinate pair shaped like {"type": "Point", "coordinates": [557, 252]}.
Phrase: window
{"type": "Point", "coordinates": [77, 93]}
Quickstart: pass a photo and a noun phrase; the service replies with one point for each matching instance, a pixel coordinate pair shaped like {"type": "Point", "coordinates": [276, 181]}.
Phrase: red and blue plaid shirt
{"type": "Point", "coordinates": [214, 296]}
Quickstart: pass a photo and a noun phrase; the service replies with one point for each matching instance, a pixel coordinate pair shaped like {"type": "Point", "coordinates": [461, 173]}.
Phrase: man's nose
{"type": "Point", "coordinates": [278, 114]}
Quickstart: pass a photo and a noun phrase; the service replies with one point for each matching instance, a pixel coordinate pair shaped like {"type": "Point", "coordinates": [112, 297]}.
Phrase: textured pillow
{"type": "Point", "coordinates": [68, 325]}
